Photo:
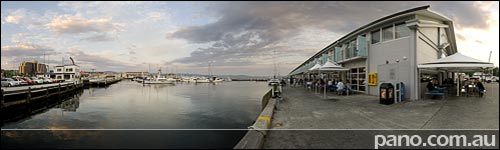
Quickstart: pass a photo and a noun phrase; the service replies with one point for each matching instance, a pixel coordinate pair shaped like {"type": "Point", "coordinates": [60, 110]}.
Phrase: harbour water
{"type": "Point", "coordinates": [130, 105]}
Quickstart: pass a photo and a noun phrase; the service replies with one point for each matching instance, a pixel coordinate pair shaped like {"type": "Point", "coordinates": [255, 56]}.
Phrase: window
{"type": "Point", "coordinates": [402, 30]}
{"type": "Point", "coordinates": [387, 33]}
{"type": "Point", "coordinates": [354, 49]}
{"type": "Point", "coordinates": [375, 36]}
{"type": "Point", "coordinates": [58, 70]}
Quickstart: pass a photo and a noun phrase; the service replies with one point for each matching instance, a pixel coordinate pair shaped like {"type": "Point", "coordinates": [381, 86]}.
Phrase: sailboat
{"type": "Point", "coordinates": [159, 80]}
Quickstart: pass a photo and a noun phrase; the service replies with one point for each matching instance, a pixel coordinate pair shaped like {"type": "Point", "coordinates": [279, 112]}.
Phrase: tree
{"type": "Point", "coordinates": [495, 71]}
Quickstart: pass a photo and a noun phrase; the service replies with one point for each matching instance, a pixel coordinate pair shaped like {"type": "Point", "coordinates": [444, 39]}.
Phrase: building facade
{"type": "Point", "coordinates": [32, 68]}
{"type": "Point", "coordinates": [388, 50]}
{"type": "Point", "coordinates": [67, 72]}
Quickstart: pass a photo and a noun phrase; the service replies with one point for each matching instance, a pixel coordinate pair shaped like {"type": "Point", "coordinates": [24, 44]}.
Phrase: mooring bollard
{"type": "Point", "coordinates": [29, 95]}
{"type": "Point", "coordinates": [47, 92]}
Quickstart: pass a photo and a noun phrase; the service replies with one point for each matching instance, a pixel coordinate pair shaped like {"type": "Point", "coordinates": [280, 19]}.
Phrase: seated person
{"type": "Point", "coordinates": [480, 87]}
{"type": "Point", "coordinates": [340, 87]}
{"type": "Point", "coordinates": [432, 88]}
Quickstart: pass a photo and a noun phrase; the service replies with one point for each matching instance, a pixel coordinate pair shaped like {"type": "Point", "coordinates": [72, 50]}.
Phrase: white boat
{"type": "Point", "coordinates": [200, 80]}
{"type": "Point", "coordinates": [172, 79]}
{"type": "Point", "coordinates": [273, 81]}
{"type": "Point", "coordinates": [158, 80]}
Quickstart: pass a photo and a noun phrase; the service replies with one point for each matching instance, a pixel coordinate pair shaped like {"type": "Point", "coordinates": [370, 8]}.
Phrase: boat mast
{"type": "Point", "coordinates": [274, 62]}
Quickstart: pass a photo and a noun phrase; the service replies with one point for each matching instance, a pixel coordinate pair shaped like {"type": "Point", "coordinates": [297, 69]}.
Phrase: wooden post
{"type": "Point", "coordinates": [29, 95]}
{"type": "Point", "coordinates": [3, 102]}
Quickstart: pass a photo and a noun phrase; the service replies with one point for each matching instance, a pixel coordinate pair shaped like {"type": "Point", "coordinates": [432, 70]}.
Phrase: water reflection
{"type": "Point", "coordinates": [67, 102]}
{"type": "Point", "coordinates": [130, 105]}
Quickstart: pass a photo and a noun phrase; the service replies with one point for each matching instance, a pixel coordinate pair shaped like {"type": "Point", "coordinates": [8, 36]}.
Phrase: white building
{"type": "Point", "coordinates": [389, 50]}
{"type": "Point", "coordinates": [67, 72]}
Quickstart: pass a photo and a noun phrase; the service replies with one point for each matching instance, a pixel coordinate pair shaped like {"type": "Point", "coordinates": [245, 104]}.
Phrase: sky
{"type": "Point", "coordinates": [236, 38]}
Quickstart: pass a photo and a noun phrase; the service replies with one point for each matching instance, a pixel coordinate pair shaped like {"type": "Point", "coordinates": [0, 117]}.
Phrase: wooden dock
{"type": "Point", "coordinates": [100, 82]}
{"type": "Point", "coordinates": [28, 94]}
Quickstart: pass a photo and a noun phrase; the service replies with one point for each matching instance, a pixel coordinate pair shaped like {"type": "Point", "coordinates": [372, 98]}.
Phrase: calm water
{"type": "Point", "coordinates": [130, 105]}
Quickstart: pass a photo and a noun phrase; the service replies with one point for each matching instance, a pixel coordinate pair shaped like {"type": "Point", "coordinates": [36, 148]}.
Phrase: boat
{"type": "Point", "coordinates": [158, 80]}
{"type": "Point", "coordinates": [228, 79]}
{"type": "Point", "coordinates": [215, 79]}
{"type": "Point", "coordinates": [273, 81]}
{"type": "Point", "coordinates": [200, 80]}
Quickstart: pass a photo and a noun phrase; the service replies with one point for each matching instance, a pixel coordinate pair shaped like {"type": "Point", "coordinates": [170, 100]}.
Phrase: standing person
{"type": "Point", "coordinates": [340, 87]}
{"type": "Point", "coordinates": [347, 87]}
{"type": "Point", "coordinates": [480, 87]}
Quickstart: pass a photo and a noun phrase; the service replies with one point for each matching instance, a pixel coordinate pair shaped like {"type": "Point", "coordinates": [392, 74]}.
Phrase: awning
{"type": "Point", "coordinates": [457, 63]}
{"type": "Point", "coordinates": [329, 66]}
{"type": "Point", "coordinates": [315, 67]}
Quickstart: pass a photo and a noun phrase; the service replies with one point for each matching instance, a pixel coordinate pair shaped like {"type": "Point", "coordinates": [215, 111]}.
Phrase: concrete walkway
{"type": "Point", "coordinates": [302, 109]}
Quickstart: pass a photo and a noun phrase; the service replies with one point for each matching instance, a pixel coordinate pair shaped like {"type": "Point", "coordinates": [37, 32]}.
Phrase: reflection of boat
{"type": "Point", "coordinates": [158, 80]}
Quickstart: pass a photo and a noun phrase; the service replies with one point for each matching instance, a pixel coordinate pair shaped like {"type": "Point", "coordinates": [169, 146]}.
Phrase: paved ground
{"type": "Point", "coordinates": [302, 109]}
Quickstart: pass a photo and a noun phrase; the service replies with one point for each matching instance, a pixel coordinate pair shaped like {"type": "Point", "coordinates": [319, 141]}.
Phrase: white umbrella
{"type": "Point", "coordinates": [457, 63]}
{"type": "Point", "coordinates": [329, 66]}
{"type": "Point", "coordinates": [316, 67]}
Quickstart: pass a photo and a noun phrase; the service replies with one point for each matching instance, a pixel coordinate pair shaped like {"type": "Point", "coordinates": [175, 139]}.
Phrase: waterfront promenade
{"type": "Point", "coordinates": [303, 109]}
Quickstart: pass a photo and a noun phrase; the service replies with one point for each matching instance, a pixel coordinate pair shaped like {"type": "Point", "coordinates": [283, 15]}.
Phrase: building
{"type": "Point", "coordinates": [389, 50]}
{"type": "Point", "coordinates": [134, 74]}
{"type": "Point", "coordinates": [32, 68]}
{"type": "Point", "coordinates": [67, 72]}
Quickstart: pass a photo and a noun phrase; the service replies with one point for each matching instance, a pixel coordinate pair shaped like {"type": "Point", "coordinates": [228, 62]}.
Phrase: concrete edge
{"type": "Point", "coordinates": [254, 138]}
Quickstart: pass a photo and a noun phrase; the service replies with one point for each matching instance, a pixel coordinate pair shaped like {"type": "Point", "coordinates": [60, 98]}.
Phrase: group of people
{"type": "Point", "coordinates": [337, 85]}
{"type": "Point", "coordinates": [432, 86]}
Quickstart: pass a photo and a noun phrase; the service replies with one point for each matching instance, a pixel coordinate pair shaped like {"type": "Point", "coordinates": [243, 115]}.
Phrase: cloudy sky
{"type": "Point", "coordinates": [235, 37]}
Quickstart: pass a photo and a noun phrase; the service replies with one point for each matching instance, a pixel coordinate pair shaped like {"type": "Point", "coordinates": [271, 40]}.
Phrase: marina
{"type": "Point", "coordinates": [131, 105]}
{"type": "Point", "coordinates": [249, 75]}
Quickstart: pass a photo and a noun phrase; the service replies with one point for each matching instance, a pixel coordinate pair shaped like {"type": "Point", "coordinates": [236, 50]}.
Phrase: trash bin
{"type": "Point", "coordinates": [386, 93]}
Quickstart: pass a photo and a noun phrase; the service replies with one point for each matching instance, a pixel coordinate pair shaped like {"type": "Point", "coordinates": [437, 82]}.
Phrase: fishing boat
{"type": "Point", "coordinates": [158, 80]}
{"type": "Point", "coordinates": [215, 79]}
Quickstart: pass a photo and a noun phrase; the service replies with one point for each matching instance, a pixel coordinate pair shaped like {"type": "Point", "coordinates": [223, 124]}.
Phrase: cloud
{"type": "Point", "coordinates": [23, 49]}
{"type": "Point", "coordinates": [252, 29]}
{"type": "Point", "coordinates": [75, 24]}
{"type": "Point", "coordinates": [98, 38]}
{"type": "Point", "coordinates": [14, 19]}
{"type": "Point", "coordinates": [95, 60]}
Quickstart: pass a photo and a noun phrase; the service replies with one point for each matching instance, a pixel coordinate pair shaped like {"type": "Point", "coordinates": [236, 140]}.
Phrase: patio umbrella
{"type": "Point", "coordinates": [331, 67]}
{"type": "Point", "coordinates": [316, 67]}
{"type": "Point", "coordinates": [457, 63]}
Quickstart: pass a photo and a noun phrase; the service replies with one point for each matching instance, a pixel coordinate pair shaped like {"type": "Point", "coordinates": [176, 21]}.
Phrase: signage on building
{"type": "Point", "coordinates": [372, 79]}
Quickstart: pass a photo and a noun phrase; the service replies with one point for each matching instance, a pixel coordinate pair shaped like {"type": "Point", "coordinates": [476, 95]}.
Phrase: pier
{"type": "Point", "coordinates": [25, 95]}
{"type": "Point", "coordinates": [100, 82]}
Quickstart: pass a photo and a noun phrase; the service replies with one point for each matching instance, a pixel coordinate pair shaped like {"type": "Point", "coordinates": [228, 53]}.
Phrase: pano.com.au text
{"type": "Point", "coordinates": [434, 141]}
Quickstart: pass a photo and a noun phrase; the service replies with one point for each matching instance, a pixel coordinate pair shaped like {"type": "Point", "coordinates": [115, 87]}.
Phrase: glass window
{"type": "Point", "coordinates": [375, 36]}
{"type": "Point", "coordinates": [387, 33]}
{"type": "Point", "coordinates": [402, 30]}
{"type": "Point", "coordinates": [354, 49]}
